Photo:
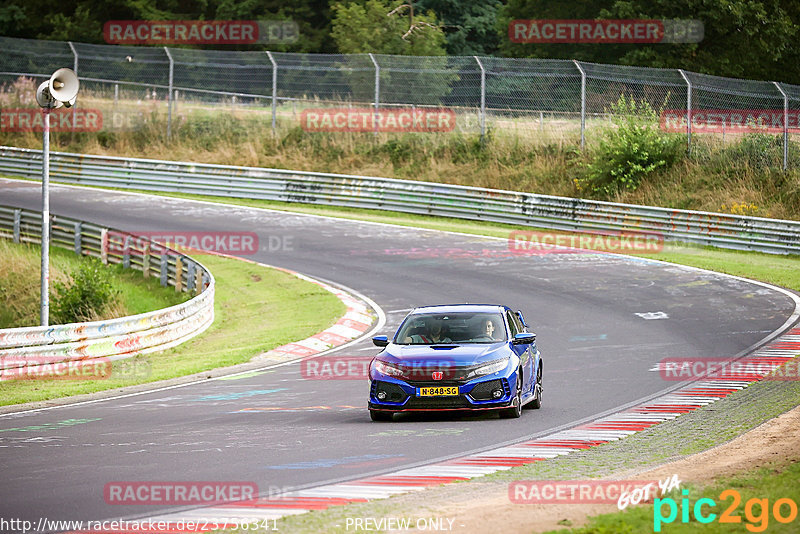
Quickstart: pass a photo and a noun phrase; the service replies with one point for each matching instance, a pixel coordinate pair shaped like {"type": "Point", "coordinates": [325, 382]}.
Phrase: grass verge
{"type": "Point", "coordinates": [256, 309]}
{"type": "Point", "coordinates": [19, 286]}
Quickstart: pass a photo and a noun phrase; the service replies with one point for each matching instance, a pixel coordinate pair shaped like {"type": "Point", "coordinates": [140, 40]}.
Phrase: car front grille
{"type": "Point", "coordinates": [438, 403]}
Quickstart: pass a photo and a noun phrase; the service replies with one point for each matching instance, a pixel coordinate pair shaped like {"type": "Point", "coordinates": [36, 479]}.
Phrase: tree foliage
{"type": "Point", "coordinates": [754, 39]}
{"type": "Point", "coordinates": [385, 27]}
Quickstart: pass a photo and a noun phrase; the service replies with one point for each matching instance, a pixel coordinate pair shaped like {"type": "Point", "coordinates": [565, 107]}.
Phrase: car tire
{"type": "Point", "coordinates": [536, 403]}
{"type": "Point", "coordinates": [377, 415]}
{"type": "Point", "coordinates": [516, 409]}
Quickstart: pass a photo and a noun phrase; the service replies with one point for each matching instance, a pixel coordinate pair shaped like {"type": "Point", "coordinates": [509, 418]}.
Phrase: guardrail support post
{"type": "Point", "coordinates": [78, 244]}
{"type": "Point", "coordinates": [104, 246]}
{"type": "Point", "coordinates": [274, 88]}
{"type": "Point", "coordinates": [169, 94]}
{"type": "Point", "coordinates": [377, 89]}
{"type": "Point", "coordinates": [146, 260]}
{"type": "Point", "coordinates": [17, 220]}
{"type": "Point", "coordinates": [583, 103]}
{"type": "Point", "coordinates": [688, 111]}
{"type": "Point", "coordinates": [483, 97]}
{"type": "Point", "coordinates": [164, 268]}
{"type": "Point", "coordinates": [178, 274]}
{"type": "Point", "coordinates": [785, 126]}
{"type": "Point", "coordinates": [126, 253]}
{"type": "Point", "coordinates": [190, 277]}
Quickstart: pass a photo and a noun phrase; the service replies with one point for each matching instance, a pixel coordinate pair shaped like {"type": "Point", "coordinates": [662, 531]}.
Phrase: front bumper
{"type": "Point", "coordinates": [474, 395]}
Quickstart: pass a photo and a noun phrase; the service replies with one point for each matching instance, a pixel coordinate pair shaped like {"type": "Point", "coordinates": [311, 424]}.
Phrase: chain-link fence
{"type": "Point", "coordinates": [542, 99]}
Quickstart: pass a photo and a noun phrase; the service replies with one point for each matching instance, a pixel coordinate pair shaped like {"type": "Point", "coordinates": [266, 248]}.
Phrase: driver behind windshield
{"type": "Point", "coordinates": [434, 335]}
{"type": "Point", "coordinates": [488, 329]}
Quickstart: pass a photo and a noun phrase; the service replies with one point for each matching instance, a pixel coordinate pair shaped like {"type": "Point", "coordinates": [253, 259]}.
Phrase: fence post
{"type": "Point", "coordinates": [75, 70]}
{"type": "Point", "coordinates": [688, 111]}
{"type": "Point", "coordinates": [146, 260]}
{"type": "Point", "coordinates": [178, 274]}
{"type": "Point", "coordinates": [190, 276]}
{"type": "Point", "coordinates": [169, 94]}
{"type": "Point", "coordinates": [77, 239]}
{"type": "Point", "coordinates": [483, 97]}
{"type": "Point", "coordinates": [583, 103]}
{"type": "Point", "coordinates": [126, 253]}
{"type": "Point", "coordinates": [164, 272]}
{"type": "Point", "coordinates": [104, 246]}
{"type": "Point", "coordinates": [274, 88]}
{"type": "Point", "coordinates": [785, 126]}
{"type": "Point", "coordinates": [377, 89]}
{"type": "Point", "coordinates": [17, 220]}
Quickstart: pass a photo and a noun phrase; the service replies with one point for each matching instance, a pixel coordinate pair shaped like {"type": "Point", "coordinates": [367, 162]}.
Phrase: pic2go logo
{"type": "Point", "coordinates": [756, 511]}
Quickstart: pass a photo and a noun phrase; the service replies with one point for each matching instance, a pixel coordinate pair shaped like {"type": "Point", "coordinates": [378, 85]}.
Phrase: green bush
{"type": "Point", "coordinates": [758, 150]}
{"type": "Point", "coordinates": [90, 291]}
{"type": "Point", "coordinates": [630, 150]}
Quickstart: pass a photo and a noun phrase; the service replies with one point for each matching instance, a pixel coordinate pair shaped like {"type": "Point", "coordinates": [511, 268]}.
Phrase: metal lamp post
{"type": "Point", "coordinates": [60, 89]}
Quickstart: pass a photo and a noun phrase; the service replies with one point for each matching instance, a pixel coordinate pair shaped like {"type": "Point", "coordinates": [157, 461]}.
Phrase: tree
{"type": "Point", "coordinates": [468, 26]}
{"type": "Point", "coordinates": [383, 27]}
{"type": "Point", "coordinates": [755, 39]}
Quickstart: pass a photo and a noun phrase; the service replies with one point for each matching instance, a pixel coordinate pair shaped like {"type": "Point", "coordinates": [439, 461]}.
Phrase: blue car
{"type": "Point", "coordinates": [457, 357]}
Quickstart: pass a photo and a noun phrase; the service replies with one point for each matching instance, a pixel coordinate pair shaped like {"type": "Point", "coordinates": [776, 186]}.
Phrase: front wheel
{"type": "Point", "coordinates": [536, 403]}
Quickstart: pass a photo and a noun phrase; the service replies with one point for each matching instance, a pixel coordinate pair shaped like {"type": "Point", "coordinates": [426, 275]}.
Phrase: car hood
{"type": "Point", "coordinates": [458, 355]}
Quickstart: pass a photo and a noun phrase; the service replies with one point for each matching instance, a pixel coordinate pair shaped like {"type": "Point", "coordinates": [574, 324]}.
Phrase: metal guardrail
{"type": "Point", "coordinates": [528, 209]}
{"type": "Point", "coordinates": [24, 352]}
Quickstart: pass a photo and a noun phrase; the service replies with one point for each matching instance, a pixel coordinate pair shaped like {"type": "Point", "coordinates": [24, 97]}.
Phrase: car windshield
{"type": "Point", "coordinates": [445, 328]}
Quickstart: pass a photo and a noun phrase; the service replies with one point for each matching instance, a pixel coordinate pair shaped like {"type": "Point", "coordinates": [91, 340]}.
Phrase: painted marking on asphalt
{"type": "Point", "coordinates": [244, 375]}
{"type": "Point", "coordinates": [332, 462]}
{"type": "Point", "coordinates": [649, 316]}
{"type": "Point", "coordinates": [50, 426]}
{"type": "Point", "coordinates": [238, 394]}
{"type": "Point", "coordinates": [295, 408]}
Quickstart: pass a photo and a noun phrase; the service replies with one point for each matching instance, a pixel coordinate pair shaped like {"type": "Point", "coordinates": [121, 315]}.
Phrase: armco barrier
{"type": "Point", "coordinates": [37, 347]}
{"type": "Point", "coordinates": [571, 214]}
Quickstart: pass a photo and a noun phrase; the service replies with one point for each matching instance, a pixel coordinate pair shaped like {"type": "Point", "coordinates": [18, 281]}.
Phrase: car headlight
{"type": "Point", "coordinates": [489, 368]}
{"type": "Point", "coordinates": [387, 369]}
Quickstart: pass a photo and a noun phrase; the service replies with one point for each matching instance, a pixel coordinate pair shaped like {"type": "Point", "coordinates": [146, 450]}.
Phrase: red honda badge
{"type": "Point", "coordinates": [437, 375]}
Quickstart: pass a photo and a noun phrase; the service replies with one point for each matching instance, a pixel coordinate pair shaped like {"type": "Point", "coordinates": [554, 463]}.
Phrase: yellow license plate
{"type": "Point", "coordinates": [438, 391]}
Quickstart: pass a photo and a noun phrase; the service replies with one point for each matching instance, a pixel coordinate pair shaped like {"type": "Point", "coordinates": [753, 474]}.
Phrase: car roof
{"type": "Point", "coordinates": [466, 308]}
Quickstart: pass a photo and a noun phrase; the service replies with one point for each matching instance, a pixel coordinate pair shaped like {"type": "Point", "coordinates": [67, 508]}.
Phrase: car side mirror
{"type": "Point", "coordinates": [380, 341]}
{"type": "Point", "coordinates": [525, 338]}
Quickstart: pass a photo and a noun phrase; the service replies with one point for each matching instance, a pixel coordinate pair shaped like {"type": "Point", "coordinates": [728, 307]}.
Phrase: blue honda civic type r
{"type": "Point", "coordinates": [456, 357]}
